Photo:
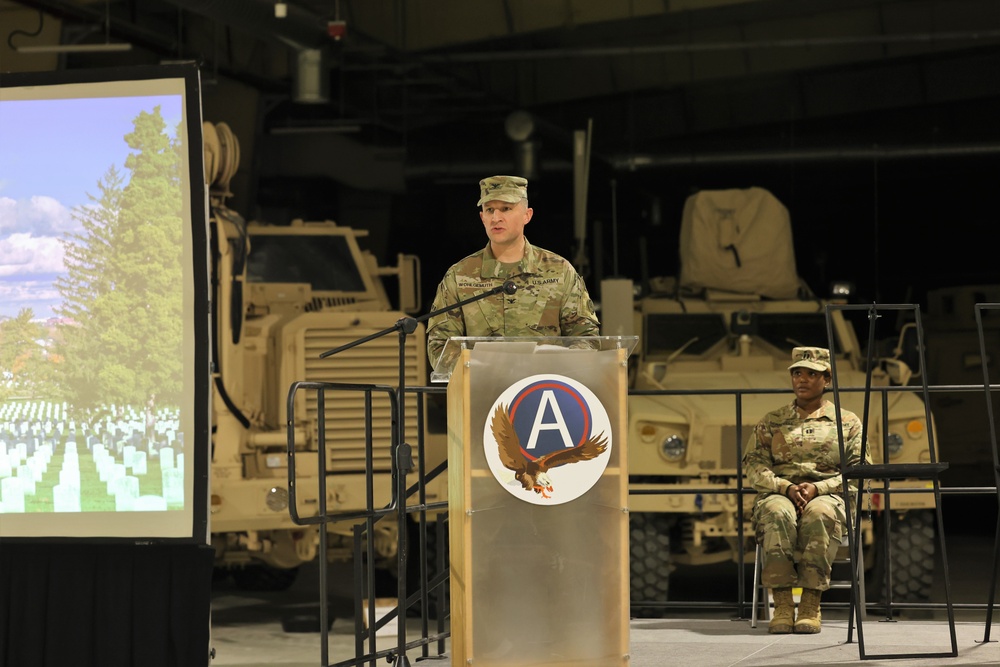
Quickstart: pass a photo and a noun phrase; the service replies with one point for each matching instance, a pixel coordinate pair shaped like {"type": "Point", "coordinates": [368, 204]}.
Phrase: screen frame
{"type": "Point", "coordinates": [199, 305]}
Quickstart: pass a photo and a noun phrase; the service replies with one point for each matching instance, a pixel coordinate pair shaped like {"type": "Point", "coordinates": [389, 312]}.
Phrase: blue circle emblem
{"type": "Point", "coordinates": [571, 409]}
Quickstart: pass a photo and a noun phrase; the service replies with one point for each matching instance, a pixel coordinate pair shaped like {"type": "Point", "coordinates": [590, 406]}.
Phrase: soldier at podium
{"type": "Point", "coordinates": [550, 299]}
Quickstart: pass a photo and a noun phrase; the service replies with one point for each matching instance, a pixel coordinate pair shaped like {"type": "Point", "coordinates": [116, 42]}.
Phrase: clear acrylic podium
{"type": "Point", "coordinates": [539, 568]}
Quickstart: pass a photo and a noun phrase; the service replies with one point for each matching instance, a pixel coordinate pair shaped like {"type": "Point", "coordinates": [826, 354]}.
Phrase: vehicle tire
{"type": "Point", "coordinates": [649, 561]}
{"type": "Point", "coordinates": [912, 550]}
{"type": "Point", "coordinates": [264, 577]}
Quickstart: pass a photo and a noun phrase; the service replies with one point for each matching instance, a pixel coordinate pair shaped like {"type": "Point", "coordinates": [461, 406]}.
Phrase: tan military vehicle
{"type": "Point", "coordinates": [729, 323]}
{"type": "Point", "coordinates": [954, 358]}
{"type": "Point", "coordinates": [284, 294]}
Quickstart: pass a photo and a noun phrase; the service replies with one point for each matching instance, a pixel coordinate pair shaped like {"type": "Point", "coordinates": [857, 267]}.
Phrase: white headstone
{"type": "Point", "coordinates": [166, 458]}
{"type": "Point", "coordinates": [66, 497]}
{"type": "Point", "coordinates": [38, 467]}
{"type": "Point", "coordinates": [45, 453]}
{"type": "Point", "coordinates": [128, 454]}
{"type": "Point", "coordinates": [173, 486]}
{"type": "Point", "coordinates": [27, 477]}
{"type": "Point", "coordinates": [115, 472]}
{"type": "Point", "coordinates": [69, 476]}
{"type": "Point", "coordinates": [139, 464]}
{"type": "Point", "coordinates": [12, 495]}
{"type": "Point", "coordinates": [126, 492]}
{"type": "Point", "coordinates": [104, 466]}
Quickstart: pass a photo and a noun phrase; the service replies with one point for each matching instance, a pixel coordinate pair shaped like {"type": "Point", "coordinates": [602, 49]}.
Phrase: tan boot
{"type": "Point", "coordinates": [808, 620]}
{"type": "Point", "coordinates": [784, 612]}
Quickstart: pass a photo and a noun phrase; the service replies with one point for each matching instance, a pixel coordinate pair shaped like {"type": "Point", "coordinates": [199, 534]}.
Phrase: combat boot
{"type": "Point", "coordinates": [808, 619]}
{"type": "Point", "coordinates": [784, 612]}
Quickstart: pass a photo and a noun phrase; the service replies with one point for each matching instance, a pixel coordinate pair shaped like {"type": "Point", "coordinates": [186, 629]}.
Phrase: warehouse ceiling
{"type": "Point", "coordinates": [869, 119]}
{"type": "Point", "coordinates": [651, 81]}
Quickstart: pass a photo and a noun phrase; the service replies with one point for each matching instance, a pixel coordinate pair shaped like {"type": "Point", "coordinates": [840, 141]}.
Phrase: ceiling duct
{"type": "Point", "coordinates": [312, 80]}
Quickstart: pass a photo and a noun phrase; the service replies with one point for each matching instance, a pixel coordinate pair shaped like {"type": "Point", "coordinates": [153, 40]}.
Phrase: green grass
{"type": "Point", "coordinates": [93, 492]}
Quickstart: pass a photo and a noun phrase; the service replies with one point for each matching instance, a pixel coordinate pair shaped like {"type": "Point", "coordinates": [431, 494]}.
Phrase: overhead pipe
{"type": "Point", "coordinates": [634, 162]}
{"type": "Point", "coordinates": [696, 47]}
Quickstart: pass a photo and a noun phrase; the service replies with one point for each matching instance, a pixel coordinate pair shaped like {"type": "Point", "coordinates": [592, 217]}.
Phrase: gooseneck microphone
{"type": "Point", "coordinates": [509, 287]}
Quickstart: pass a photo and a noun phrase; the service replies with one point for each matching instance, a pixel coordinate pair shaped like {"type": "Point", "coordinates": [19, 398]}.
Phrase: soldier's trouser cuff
{"type": "Point", "coordinates": [810, 576]}
{"type": "Point", "coordinates": [779, 573]}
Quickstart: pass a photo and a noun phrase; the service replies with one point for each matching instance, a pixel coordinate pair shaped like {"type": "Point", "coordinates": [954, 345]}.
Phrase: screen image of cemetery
{"type": "Point", "coordinates": [93, 364]}
{"type": "Point", "coordinates": [59, 461]}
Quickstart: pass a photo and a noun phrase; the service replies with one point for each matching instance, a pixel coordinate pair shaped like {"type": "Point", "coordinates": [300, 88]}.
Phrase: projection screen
{"type": "Point", "coordinates": [104, 326]}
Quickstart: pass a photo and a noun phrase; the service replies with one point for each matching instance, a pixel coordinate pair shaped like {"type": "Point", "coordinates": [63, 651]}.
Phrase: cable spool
{"type": "Point", "coordinates": [222, 157]}
{"type": "Point", "coordinates": [230, 157]}
{"type": "Point", "coordinates": [212, 150]}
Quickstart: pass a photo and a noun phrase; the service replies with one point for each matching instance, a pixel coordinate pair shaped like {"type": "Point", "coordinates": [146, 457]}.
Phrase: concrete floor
{"type": "Point", "coordinates": [655, 643]}
{"type": "Point", "coordinates": [247, 627]}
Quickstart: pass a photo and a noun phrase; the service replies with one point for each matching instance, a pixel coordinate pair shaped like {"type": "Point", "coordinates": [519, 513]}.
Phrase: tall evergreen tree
{"type": "Point", "coordinates": [124, 280]}
{"type": "Point", "coordinates": [89, 276]}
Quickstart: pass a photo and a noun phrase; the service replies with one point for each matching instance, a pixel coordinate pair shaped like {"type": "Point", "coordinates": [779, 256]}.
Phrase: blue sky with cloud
{"type": "Point", "coordinates": [52, 154]}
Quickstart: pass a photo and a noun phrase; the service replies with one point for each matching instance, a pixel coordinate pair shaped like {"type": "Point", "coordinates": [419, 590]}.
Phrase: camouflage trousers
{"type": "Point", "coordinates": [798, 550]}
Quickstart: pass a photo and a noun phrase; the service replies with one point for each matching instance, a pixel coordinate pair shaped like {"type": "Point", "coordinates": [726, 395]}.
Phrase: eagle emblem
{"type": "Point", "coordinates": [532, 472]}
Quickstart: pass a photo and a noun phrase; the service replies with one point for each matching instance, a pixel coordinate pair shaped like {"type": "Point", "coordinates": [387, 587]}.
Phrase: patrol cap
{"type": "Point", "coordinates": [503, 188]}
{"type": "Point", "coordinates": [816, 358]}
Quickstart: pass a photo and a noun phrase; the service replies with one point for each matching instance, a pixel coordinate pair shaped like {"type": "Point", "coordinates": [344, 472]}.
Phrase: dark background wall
{"type": "Point", "coordinates": [872, 120]}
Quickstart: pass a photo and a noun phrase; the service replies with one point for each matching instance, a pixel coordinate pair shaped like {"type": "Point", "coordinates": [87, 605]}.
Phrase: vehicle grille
{"type": "Point", "coordinates": [375, 362]}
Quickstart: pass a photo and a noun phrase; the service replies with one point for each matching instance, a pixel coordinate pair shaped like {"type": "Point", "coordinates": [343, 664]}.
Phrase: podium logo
{"type": "Point", "coordinates": [547, 439]}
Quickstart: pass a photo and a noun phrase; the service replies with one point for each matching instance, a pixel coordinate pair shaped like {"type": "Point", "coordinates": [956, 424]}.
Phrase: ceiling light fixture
{"type": "Point", "coordinates": [74, 48]}
{"type": "Point", "coordinates": [106, 46]}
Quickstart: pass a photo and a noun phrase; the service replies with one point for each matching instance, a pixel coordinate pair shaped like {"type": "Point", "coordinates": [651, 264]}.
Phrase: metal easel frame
{"type": "Point", "coordinates": [984, 359]}
{"type": "Point", "coordinates": [887, 471]}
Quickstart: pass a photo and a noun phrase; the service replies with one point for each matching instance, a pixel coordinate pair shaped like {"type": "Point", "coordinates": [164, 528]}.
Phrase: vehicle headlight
{"type": "Point", "coordinates": [895, 442]}
{"type": "Point", "coordinates": [841, 290]}
{"type": "Point", "coordinates": [673, 448]}
{"type": "Point", "coordinates": [277, 499]}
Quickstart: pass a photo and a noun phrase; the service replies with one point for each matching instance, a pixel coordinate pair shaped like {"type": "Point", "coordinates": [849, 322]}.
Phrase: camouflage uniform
{"type": "Point", "coordinates": [551, 299]}
{"type": "Point", "coordinates": [790, 447]}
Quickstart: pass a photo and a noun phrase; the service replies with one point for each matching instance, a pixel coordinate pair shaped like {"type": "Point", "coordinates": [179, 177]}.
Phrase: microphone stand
{"type": "Point", "coordinates": [408, 325]}
{"type": "Point", "coordinates": [402, 455]}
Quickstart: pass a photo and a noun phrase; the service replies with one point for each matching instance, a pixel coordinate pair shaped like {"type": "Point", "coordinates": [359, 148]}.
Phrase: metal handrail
{"type": "Point", "coordinates": [421, 507]}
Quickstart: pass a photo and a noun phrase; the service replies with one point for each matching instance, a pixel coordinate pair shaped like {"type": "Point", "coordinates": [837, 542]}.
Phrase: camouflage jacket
{"type": "Point", "coordinates": [787, 449]}
{"type": "Point", "coordinates": [551, 300]}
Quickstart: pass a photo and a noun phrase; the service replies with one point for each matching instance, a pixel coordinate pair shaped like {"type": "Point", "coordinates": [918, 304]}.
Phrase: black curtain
{"type": "Point", "coordinates": [104, 605]}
